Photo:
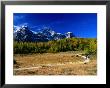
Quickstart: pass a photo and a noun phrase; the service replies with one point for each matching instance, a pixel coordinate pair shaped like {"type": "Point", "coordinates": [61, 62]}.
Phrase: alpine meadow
{"type": "Point", "coordinates": [55, 44]}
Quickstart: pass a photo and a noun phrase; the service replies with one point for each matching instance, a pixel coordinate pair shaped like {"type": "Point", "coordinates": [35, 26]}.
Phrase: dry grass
{"type": "Point", "coordinates": [54, 64]}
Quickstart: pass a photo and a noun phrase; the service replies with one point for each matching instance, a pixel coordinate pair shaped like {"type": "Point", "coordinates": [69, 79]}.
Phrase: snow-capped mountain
{"type": "Point", "coordinates": [24, 33]}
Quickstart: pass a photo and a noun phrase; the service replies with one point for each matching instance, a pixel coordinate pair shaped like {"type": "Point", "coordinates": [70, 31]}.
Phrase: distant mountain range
{"type": "Point", "coordinates": [25, 34]}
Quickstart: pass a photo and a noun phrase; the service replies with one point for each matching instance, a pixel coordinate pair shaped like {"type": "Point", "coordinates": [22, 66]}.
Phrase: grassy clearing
{"type": "Point", "coordinates": [63, 63]}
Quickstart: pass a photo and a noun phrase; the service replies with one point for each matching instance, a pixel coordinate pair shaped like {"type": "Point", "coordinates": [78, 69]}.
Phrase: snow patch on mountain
{"type": "Point", "coordinates": [24, 33]}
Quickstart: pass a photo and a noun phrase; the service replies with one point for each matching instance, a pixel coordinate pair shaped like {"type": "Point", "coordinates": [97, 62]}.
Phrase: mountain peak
{"type": "Point", "coordinates": [24, 33]}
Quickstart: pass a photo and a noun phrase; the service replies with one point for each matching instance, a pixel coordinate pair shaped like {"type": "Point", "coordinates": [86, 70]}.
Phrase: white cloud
{"type": "Point", "coordinates": [34, 26]}
{"type": "Point", "coordinates": [24, 24]}
{"type": "Point", "coordinates": [18, 17]}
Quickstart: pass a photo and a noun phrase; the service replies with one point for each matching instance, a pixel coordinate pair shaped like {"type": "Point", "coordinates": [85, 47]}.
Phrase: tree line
{"type": "Point", "coordinates": [89, 45]}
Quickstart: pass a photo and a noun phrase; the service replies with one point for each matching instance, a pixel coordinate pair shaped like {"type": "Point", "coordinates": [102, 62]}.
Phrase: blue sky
{"type": "Point", "coordinates": [81, 24]}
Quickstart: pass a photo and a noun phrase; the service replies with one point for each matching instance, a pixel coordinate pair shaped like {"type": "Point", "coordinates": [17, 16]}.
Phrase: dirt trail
{"type": "Point", "coordinates": [41, 65]}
